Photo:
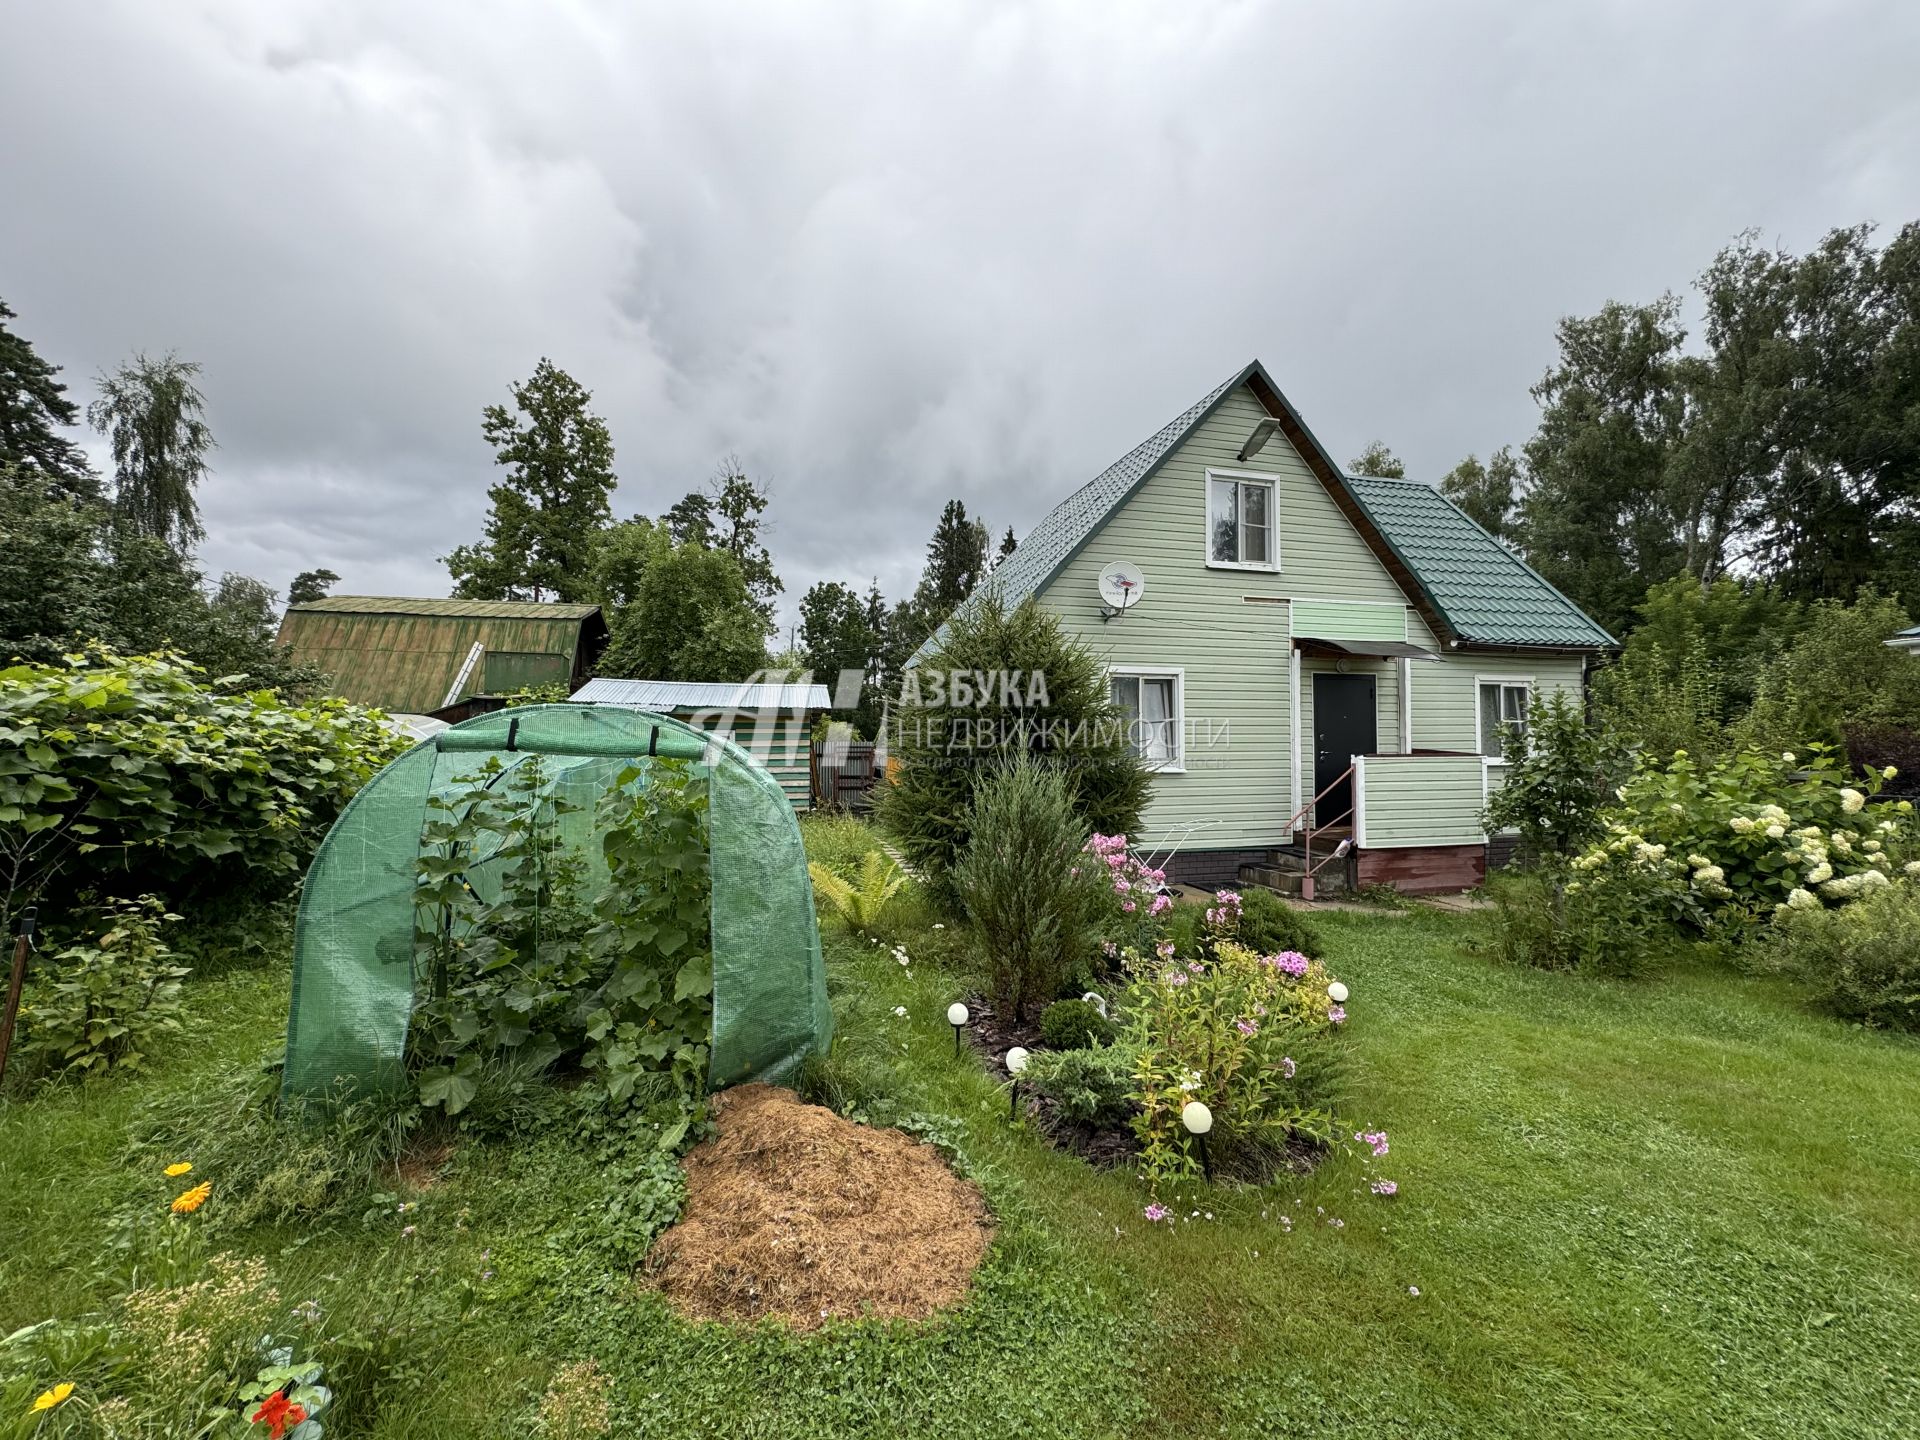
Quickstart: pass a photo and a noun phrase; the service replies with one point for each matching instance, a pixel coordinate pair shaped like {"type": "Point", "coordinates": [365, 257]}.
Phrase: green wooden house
{"type": "Point", "coordinates": [1316, 665]}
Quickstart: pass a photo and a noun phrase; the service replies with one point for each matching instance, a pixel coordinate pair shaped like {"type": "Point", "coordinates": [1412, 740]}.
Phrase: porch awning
{"type": "Point", "coordinates": [1360, 649]}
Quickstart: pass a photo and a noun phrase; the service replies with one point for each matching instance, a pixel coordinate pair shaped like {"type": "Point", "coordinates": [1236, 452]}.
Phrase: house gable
{"type": "Point", "coordinates": [1161, 526]}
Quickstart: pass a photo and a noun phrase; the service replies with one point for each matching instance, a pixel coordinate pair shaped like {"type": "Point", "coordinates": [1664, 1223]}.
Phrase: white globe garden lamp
{"type": "Point", "coordinates": [1198, 1120]}
{"type": "Point", "coordinates": [956, 1017]}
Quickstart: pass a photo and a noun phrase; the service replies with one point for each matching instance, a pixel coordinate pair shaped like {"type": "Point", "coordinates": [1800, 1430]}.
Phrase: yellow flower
{"type": "Point", "coordinates": [47, 1399]}
{"type": "Point", "coordinates": [174, 1172]}
{"type": "Point", "coordinates": [191, 1200]}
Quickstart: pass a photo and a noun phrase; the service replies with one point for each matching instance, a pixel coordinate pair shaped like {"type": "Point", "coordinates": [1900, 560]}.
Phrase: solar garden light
{"type": "Point", "coordinates": [1199, 1120]}
{"type": "Point", "coordinates": [1016, 1063]}
{"type": "Point", "coordinates": [956, 1017]}
{"type": "Point", "coordinates": [1337, 993]}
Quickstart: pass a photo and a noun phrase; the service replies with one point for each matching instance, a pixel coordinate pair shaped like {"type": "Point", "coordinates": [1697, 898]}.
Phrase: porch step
{"type": "Point", "coordinates": [1286, 879]}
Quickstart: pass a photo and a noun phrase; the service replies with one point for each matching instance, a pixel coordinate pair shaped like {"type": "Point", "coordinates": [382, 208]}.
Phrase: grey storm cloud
{"type": "Point", "coordinates": [885, 253]}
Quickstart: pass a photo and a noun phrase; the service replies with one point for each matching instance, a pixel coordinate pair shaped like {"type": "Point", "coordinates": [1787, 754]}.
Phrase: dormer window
{"type": "Point", "coordinates": [1242, 528]}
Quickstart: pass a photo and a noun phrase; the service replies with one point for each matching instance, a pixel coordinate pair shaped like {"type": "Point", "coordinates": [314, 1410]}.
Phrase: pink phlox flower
{"type": "Point", "coordinates": [1293, 962]}
{"type": "Point", "coordinates": [1287, 1067]}
{"type": "Point", "coordinates": [1376, 1140]}
{"type": "Point", "coordinates": [1337, 1015]}
{"type": "Point", "coordinates": [1196, 967]}
{"type": "Point", "coordinates": [1128, 906]}
{"type": "Point", "coordinates": [1175, 977]}
{"type": "Point", "coordinates": [1155, 1212]}
{"type": "Point", "coordinates": [1121, 885]}
{"type": "Point", "coordinates": [1386, 1187]}
{"type": "Point", "coordinates": [1246, 1028]}
{"type": "Point", "coordinates": [1161, 904]}
{"type": "Point", "coordinates": [1164, 949]}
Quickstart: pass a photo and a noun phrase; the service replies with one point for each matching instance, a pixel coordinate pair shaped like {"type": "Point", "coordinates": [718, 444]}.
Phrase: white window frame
{"type": "Point", "coordinates": [1258, 477]}
{"type": "Point", "coordinates": [1178, 674]}
{"type": "Point", "coordinates": [1510, 682]}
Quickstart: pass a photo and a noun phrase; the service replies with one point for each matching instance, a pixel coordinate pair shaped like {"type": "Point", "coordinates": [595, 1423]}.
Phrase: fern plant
{"type": "Point", "coordinates": [860, 905]}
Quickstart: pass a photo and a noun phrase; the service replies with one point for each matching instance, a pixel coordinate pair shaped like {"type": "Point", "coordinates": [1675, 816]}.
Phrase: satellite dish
{"type": "Point", "coordinates": [1121, 588]}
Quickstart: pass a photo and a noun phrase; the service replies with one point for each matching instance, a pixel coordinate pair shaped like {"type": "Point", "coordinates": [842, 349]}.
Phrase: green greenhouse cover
{"type": "Point", "coordinates": [355, 980]}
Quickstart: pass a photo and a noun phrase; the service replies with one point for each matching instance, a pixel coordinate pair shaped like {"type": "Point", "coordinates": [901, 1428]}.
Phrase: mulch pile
{"type": "Point", "coordinates": [795, 1213]}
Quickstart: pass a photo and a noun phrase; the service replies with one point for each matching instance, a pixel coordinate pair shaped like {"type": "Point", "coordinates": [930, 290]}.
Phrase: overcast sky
{"type": "Point", "coordinates": [886, 253]}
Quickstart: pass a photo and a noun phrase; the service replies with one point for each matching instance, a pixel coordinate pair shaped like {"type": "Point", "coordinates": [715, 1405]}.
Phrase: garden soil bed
{"type": "Point", "coordinates": [797, 1214]}
{"type": "Point", "coordinates": [991, 1036]}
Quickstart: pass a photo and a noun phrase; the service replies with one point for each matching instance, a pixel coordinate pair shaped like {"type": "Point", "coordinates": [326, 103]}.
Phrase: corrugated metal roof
{"type": "Point", "coordinates": [408, 661]}
{"type": "Point", "coordinates": [474, 609]}
{"type": "Point", "coordinates": [672, 695]}
{"type": "Point", "coordinates": [1488, 594]}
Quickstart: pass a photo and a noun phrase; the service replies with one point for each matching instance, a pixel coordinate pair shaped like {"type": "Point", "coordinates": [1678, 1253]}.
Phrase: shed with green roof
{"type": "Point", "coordinates": [1318, 667]}
{"type": "Point", "coordinates": [411, 655]}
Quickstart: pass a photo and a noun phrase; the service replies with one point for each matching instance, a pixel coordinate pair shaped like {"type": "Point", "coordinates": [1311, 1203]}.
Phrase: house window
{"type": "Point", "coordinates": [1240, 522]}
{"type": "Point", "coordinates": [1150, 702]}
{"type": "Point", "coordinates": [1501, 704]}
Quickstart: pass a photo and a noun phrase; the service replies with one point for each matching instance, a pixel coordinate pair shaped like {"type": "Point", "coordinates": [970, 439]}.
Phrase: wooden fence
{"type": "Point", "coordinates": [843, 774]}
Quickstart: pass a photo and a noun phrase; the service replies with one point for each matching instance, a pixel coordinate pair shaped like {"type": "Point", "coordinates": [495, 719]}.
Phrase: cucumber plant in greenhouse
{"type": "Point", "coordinates": [525, 960]}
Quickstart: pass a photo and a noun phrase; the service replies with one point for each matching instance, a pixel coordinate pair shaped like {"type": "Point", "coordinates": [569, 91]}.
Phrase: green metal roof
{"type": "Point", "coordinates": [404, 654]}
{"type": "Point", "coordinates": [1458, 575]}
{"type": "Point", "coordinates": [1487, 594]}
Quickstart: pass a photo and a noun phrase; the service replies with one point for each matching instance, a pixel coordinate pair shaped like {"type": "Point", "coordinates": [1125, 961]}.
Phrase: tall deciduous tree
{"type": "Point", "coordinates": [1377, 460]}
{"type": "Point", "coordinates": [154, 418]}
{"type": "Point", "coordinates": [34, 411]}
{"type": "Point", "coordinates": [1486, 492]}
{"type": "Point", "coordinates": [837, 634]}
{"type": "Point", "coordinates": [51, 569]}
{"type": "Point", "coordinates": [1600, 519]}
{"type": "Point", "coordinates": [547, 514]}
{"type": "Point", "coordinates": [690, 618]}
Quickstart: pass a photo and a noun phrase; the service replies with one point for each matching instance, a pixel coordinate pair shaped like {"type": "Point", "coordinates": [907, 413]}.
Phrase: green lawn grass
{"type": "Point", "coordinates": [1684, 1206]}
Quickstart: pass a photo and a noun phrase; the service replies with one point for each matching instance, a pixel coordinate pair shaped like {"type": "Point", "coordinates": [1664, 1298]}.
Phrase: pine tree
{"type": "Point", "coordinates": [310, 585]}
{"type": "Point", "coordinates": [34, 408]}
{"type": "Point", "coordinates": [548, 513]}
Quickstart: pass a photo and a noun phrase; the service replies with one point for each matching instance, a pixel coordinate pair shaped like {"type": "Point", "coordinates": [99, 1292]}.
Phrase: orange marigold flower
{"type": "Point", "coordinates": [191, 1200]}
{"type": "Point", "coordinates": [277, 1414]}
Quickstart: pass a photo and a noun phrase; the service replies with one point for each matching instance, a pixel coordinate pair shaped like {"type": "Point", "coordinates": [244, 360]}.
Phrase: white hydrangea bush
{"type": "Point", "coordinates": [1756, 834]}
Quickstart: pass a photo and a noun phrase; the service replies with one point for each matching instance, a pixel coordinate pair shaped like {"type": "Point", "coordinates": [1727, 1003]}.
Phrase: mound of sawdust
{"type": "Point", "coordinates": [796, 1213]}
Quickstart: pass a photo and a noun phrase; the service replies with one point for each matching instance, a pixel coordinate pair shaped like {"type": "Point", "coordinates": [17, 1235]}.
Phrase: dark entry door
{"type": "Point", "coordinates": [1345, 724]}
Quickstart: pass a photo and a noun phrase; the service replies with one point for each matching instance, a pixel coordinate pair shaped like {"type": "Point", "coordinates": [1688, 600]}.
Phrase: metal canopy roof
{"type": "Point", "coordinates": [672, 695]}
{"type": "Point", "coordinates": [1361, 649]}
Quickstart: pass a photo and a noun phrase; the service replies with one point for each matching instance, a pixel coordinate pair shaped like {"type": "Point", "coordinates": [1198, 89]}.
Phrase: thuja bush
{"type": "Point", "coordinates": [1234, 1034]}
{"type": "Point", "coordinates": [130, 774]}
{"type": "Point", "coordinates": [1024, 882]}
{"type": "Point", "coordinates": [528, 970]}
{"type": "Point", "coordinates": [1002, 682]}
